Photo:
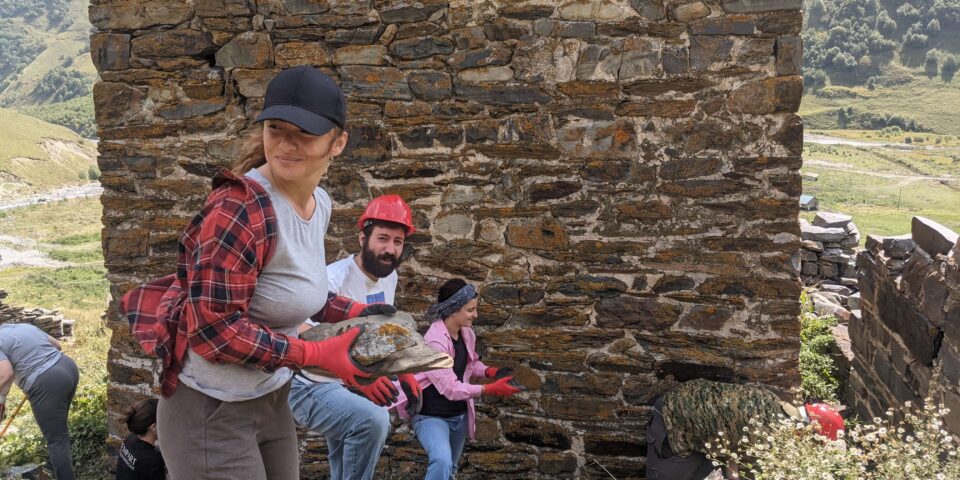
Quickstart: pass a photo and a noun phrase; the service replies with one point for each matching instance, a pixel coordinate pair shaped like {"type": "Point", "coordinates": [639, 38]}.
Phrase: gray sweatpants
{"type": "Point", "coordinates": [50, 397]}
{"type": "Point", "coordinates": [203, 438]}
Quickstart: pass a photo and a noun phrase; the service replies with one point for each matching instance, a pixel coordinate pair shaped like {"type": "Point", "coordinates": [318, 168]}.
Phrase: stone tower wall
{"type": "Point", "coordinates": [619, 177]}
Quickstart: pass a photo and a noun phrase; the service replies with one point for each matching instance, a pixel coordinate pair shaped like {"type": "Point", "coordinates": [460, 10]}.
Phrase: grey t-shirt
{"type": "Point", "coordinates": [291, 288]}
{"type": "Point", "coordinates": [28, 349]}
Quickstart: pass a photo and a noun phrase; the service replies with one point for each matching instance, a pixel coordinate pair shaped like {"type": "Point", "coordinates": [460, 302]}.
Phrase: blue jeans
{"type": "Point", "coordinates": [355, 428]}
{"type": "Point", "coordinates": [443, 439]}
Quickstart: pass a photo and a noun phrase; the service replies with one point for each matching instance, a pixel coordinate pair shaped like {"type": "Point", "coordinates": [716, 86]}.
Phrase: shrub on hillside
{"type": "Point", "coordinates": [949, 68]}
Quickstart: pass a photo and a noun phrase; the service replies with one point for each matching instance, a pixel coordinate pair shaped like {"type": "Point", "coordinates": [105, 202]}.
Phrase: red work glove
{"type": "Point", "coordinates": [332, 355]}
{"type": "Point", "coordinates": [380, 391]}
{"type": "Point", "coordinates": [494, 372]}
{"type": "Point", "coordinates": [501, 387]}
{"type": "Point", "coordinates": [411, 388]}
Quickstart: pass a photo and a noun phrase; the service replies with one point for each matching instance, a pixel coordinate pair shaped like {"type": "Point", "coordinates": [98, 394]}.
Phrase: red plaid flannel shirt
{"type": "Point", "coordinates": [204, 305]}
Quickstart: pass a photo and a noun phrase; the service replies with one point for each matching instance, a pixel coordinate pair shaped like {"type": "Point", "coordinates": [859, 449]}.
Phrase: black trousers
{"type": "Point", "coordinates": [50, 397]}
{"type": "Point", "coordinates": [662, 463]}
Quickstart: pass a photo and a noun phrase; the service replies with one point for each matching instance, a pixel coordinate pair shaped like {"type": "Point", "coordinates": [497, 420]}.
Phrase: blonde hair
{"type": "Point", "coordinates": [251, 151]}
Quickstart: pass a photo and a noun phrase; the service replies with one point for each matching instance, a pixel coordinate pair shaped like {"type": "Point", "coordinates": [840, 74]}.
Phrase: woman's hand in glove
{"type": "Point", "coordinates": [501, 387]}
{"type": "Point", "coordinates": [377, 309]}
{"type": "Point", "coordinates": [494, 372]}
{"type": "Point", "coordinates": [332, 355]}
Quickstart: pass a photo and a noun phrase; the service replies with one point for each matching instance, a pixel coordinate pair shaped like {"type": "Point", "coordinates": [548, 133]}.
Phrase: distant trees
{"type": "Point", "coordinates": [930, 64]}
{"type": "Point", "coordinates": [30, 10]}
{"type": "Point", "coordinates": [76, 114]}
{"type": "Point", "coordinates": [855, 38]}
{"type": "Point", "coordinates": [949, 68]}
{"type": "Point", "coordinates": [60, 84]}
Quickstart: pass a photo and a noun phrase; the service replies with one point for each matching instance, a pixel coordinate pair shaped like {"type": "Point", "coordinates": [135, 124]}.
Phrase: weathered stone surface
{"type": "Point", "coordinates": [401, 11]}
{"type": "Point", "coordinates": [374, 82]}
{"type": "Point", "coordinates": [430, 85]}
{"type": "Point", "coordinates": [632, 312]}
{"type": "Point", "coordinates": [140, 14]}
{"type": "Point", "coordinates": [754, 6]}
{"type": "Point", "coordinates": [931, 237]}
{"type": "Point", "coordinates": [729, 25]}
{"type": "Point", "coordinates": [649, 9]}
{"type": "Point", "coordinates": [831, 220]}
{"type": "Point", "coordinates": [773, 95]}
{"type": "Point", "coordinates": [502, 94]}
{"type": "Point", "coordinates": [247, 50]}
{"type": "Point", "coordinates": [688, 12]}
{"type": "Point", "coordinates": [173, 43]}
{"type": "Point", "coordinates": [414, 48]}
{"type": "Point", "coordinates": [535, 432]}
{"type": "Point", "coordinates": [360, 55]}
{"type": "Point", "coordinates": [789, 56]}
{"type": "Point", "coordinates": [493, 55]}
{"type": "Point", "coordinates": [555, 28]}
{"type": "Point", "coordinates": [110, 51]}
{"type": "Point", "coordinates": [291, 54]}
{"type": "Point", "coordinates": [539, 234]}
{"type": "Point", "coordinates": [486, 74]}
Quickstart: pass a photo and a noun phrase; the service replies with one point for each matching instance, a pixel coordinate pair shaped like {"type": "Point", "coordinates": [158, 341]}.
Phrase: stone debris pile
{"type": "Point", "coordinates": [828, 262]}
{"type": "Point", "coordinates": [50, 321]}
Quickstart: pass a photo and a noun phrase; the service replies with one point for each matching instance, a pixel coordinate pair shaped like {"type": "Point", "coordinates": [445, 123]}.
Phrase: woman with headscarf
{"type": "Point", "coordinates": [447, 417]}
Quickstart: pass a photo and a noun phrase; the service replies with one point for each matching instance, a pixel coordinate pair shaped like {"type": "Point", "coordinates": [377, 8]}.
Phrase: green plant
{"type": "Point", "coordinates": [916, 448]}
{"type": "Point", "coordinates": [818, 371]}
{"type": "Point", "coordinates": [93, 173]}
{"type": "Point", "coordinates": [88, 426]}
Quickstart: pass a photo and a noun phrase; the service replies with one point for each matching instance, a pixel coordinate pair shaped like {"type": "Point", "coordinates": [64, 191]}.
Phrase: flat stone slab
{"type": "Point", "coordinates": [812, 245]}
{"type": "Point", "coordinates": [389, 345]}
{"type": "Point", "coordinates": [933, 238]}
{"type": "Point", "coordinates": [821, 234]}
{"type": "Point", "coordinates": [899, 246]}
{"type": "Point", "coordinates": [832, 220]}
{"type": "Point", "coordinates": [755, 6]}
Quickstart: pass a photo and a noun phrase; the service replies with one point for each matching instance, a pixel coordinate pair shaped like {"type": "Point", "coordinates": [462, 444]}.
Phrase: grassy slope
{"type": "Point", "coordinates": [40, 172]}
{"type": "Point", "coordinates": [884, 206]}
{"type": "Point", "coordinates": [60, 46]}
{"type": "Point", "coordinates": [80, 293]}
{"type": "Point", "coordinates": [932, 102]}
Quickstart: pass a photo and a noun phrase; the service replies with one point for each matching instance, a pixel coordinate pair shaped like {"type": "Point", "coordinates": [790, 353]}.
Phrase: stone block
{"type": "Point", "coordinates": [498, 94]}
{"type": "Point", "coordinates": [374, 82]}
{"type": "Point", "coordinates": [789, 55]}
{"type": "Point", "coordinates": [292, 54]}
{"type": "Point", "coordinates": [422, 47]}
{"type": "Point", "coordinates": [493, 55]}
{"type": "Point", "coordinates": [772, 95]}
{"type": "Point", "coordinates": [247, 50]}
{"type": "Point", "coordinates": [360, 55]}
{"type": "Point", "coordinates": [403, 11]}
{"type": "Point", "coordinates": [138, 15]}
{"type": "Point", "coordinates": [921, 337]}
{"type": "Point", "coordinates": [110, 51]}
{"type": "Point", "coordinates": [757, 6]}
{"type": "Point", "coordinates": [640, 313]}
{"type": "Point", "coordinates": [649, 9]}
{"type": "Point", "coordinates": [173, 43]}
{"type": "Point", "coordinates": [688, 12]}
{"type": "Point", "coordinates": [729, 25]}
{"type": "Point", "coordinates": [535, 432]}
{"type": "Point", "coordinates": [537, 234]}
{"type": "Point", "coordinates": [933, 238]}
{"type": "Point", "coordinates": [831, 220]}
{"type": "Point", "coordinates": [556, 28]}
{"type": "Point", "coordinates": [820, 234]}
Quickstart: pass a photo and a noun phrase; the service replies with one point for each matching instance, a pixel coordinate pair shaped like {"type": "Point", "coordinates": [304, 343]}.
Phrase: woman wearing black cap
{"type": "Point", "coordinates": [251, 269]}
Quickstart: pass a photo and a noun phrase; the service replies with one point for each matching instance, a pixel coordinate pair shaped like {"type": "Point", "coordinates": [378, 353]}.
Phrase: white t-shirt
{"type": "Point", "coordinates": [345, 279]}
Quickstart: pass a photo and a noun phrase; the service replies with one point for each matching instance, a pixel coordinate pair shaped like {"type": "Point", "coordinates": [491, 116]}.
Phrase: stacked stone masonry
{"type": "Point", "coordinates": [619, 178]}
{"type": "Point", "coordinates": [50, 321]}
{"type": "Point", "coordinates": [906, 342]}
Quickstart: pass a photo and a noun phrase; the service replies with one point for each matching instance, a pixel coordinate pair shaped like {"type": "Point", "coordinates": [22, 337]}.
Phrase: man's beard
{"type": "Point", "coordinates": [375, 265]}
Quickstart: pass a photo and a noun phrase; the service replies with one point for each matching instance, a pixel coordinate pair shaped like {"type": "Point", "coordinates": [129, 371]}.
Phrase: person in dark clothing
{"type": "Point", "coordinates": [139, 458]}
{"type": "Point", "coordinates": [32, 360]}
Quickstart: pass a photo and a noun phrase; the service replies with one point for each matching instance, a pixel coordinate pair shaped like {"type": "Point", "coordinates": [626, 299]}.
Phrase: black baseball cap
{"type": "Point", "coordinates": [307, 98]}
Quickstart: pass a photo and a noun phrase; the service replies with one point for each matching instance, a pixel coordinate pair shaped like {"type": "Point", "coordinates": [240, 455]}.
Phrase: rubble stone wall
{"type": "Point", "coordinates": [619, 178]}
{"type": "Point", "coordinates": [50, 321]}
{"type": "Point", "coordinates": [906, 342]}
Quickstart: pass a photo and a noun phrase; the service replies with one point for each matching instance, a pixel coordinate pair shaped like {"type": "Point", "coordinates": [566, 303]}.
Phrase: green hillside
{"type": "Point", "coordinates": [39, 156]}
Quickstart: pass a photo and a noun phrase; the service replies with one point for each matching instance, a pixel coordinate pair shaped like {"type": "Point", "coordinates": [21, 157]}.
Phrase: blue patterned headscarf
{"type": "Point", "coordinates": [444, 309]}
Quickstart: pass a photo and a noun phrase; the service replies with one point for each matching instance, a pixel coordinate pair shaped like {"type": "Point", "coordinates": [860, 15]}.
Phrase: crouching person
{"type": "Point", "coordinates": [691, 415]}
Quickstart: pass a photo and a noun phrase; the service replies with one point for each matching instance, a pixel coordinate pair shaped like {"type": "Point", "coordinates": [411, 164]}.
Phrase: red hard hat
{"type": "Point", "coordinates": [829, 419]}
{"type": "Point", "coordinates": [389, 208]}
